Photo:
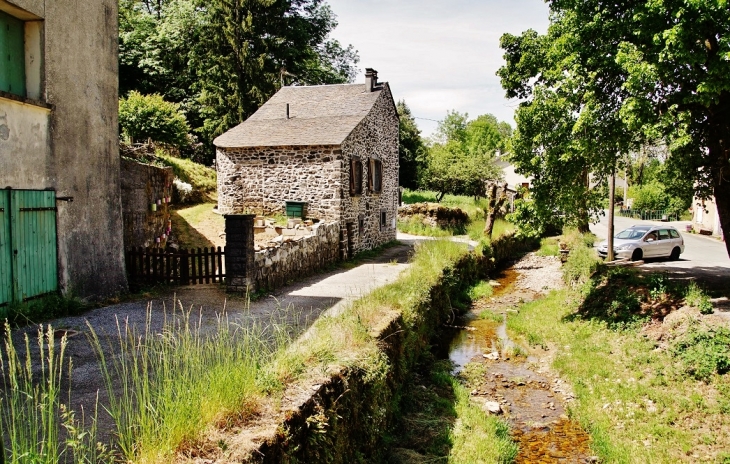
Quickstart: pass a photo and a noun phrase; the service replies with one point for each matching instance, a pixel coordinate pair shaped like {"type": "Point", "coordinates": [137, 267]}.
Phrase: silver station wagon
{"type": "Point", "coordinates": [644, 241]}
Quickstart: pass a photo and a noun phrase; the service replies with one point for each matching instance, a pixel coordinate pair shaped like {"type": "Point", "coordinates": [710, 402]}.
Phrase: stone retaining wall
{"type": "Point", "coordinates": [345, 417]}
{"type": "Point", "coordinates": [297, 258]}
{"type": "Point", "coordinates": [434, 215]}
{"type": "Point", "coordinates": [142, 186]}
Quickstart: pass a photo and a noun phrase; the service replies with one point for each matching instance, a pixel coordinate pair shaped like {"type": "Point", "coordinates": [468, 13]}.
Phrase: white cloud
{"type": "Point", "coordinates": [438, 55]}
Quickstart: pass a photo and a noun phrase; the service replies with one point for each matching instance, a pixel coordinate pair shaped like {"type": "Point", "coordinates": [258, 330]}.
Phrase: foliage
{"type": "Point", "coordinates": [221, 60]}
{"type": "Point", "coordinates": [654, 196]}
{"type": "Point", "coordinates": [698, 298]}
{"type": "Point", "coordinates": [480, 290]}
{"type": "Point", "coordinates": [581, 264]}
{"type": "Point", "coordinates": [549, 247]}
{"type": "Point", "coordinates": [45, 308]}
{"type": "Point", "coordinates": [535, 218]}
{"type": "Point", "coordinates": [201, 177]}
{"type": "Point", "coordinates": [641, 72]}
{"type": "Point", "coordinates": [704, 352]}
{"type": "Point", "coordinates": [463, 158]}
{"type": "Point", "coordinates": [411, 149]}
{"type": "Point", "coordinates": [143, 117]}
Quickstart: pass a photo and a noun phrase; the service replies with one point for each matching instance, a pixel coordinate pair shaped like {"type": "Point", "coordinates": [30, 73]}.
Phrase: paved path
{"type": "Point", "coordinates": [297, 306]}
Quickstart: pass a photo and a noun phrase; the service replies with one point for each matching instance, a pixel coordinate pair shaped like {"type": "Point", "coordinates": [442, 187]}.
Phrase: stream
{"type": "Point", "coordinates": [518, 387]}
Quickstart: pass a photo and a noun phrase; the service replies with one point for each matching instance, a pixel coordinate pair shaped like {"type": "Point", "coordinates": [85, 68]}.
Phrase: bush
{"type": "Point", "coordinates": [143, 117]}
{"type": "Point", "coordinates": [653, 196]}
{"type": "Point", "coordinates": [704, 352]}
{"type": "Point", "coordinates": [582, 261]}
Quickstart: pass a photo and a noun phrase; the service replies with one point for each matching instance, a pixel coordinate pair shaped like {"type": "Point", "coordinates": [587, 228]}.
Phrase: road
{"type": "Point", "coordinates": [704, 258]}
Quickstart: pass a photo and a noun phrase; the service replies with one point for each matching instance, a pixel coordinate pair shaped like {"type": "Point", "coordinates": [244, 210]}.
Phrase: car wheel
{"type": "Point", "coordinates": [637, 255]}
{"type": "Point", "coordinates": [675, 254]}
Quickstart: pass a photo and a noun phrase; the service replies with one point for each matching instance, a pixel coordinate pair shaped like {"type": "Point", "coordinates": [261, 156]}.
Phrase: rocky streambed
{"type": "Point", "coordinates": [510, 381]}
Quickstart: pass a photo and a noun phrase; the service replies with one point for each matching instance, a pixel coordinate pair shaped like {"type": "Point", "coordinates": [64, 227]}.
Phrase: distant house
{"type": "Point", "coordinates": [332, 148]}
{"type": "Point", "coordinates": [514, 181]}
{"type": "Point", "coordinates": [706, 218]}
{"type": "Point", "coordinates": [60, 209]}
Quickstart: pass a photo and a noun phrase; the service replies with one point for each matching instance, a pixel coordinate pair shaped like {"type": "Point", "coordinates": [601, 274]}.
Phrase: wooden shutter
{"type": "Point", "coordinates": [12, 54]}
{"type": "Point", "coordinates": [371, 172]}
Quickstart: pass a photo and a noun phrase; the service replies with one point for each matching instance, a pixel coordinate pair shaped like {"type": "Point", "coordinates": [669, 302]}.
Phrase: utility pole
{"type": "Point", "coordinates": [611, 203]}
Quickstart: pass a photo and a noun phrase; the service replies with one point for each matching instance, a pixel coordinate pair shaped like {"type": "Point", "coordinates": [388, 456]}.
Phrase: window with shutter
{"type": "Point", "coordinates": [355, 177]}
{"type": "Point", "coordinates": [375, 175]}
{"type": "Point", "coordinates": [12, 55]}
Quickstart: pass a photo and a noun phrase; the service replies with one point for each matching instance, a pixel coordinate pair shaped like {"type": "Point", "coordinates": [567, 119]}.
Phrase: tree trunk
{"type": "Point", "coordinates": [722, 200]}
{"type": "Point", "coordinates": [494, 206]}
{"type": "Point", "coordinates": [582, 216]}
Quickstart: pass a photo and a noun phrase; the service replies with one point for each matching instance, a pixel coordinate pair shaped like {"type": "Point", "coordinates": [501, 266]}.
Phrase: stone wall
{"type": "Point", "coordinates": [297, 258]}
{"type": "Point", "coordinates": [259, 180]}
{"type": "Point", "coordinates": [142, 186]}
{"type": "Point", "coordinates": [375, 137]}
{"type": "Point", "coordinates": [434, 215]}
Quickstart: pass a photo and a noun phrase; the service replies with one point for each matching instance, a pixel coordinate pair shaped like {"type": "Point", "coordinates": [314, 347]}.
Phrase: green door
{"type": "Point", "coordinates": [6, 279]}
{"type": "Point", "coordinates": [12, 55]}
{"type": "Point", "coordinates": [33, 252]}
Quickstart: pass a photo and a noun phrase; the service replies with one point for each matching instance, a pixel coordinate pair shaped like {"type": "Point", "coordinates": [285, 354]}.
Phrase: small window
{"type": "Point", "coordinates": [361, 224]}
{"type": "Point", "coordinates": [355, 177]}
{"type": "Point", "coordinates": [375, 175]}
{"type": "Point", "coordinates": [383, 220]}
{"type": "Point", "coordinates": [12, 55]}
{"type": "Point", "coordinates": [673, 233]}
{"type": "Point", "coordinates": [663, 234]}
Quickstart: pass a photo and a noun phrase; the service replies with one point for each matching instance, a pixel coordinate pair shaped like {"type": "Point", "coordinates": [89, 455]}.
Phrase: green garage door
{"type": "Point", "coordinates": [28, 242]}
{"type": "Point", "coordinates": [6, 280]}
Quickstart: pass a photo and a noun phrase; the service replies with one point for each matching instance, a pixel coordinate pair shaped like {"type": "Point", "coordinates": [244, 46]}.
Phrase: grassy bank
{"type": "Point", "coordinates": [474, 207]}
{"type": "Point", "coordinates": [646, 391]}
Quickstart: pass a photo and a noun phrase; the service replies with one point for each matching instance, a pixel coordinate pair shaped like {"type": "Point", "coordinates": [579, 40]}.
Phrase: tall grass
{"type": "Point", "coordinates": [36, 425]}
{"type": "Point", "coordinates": [166, 387]}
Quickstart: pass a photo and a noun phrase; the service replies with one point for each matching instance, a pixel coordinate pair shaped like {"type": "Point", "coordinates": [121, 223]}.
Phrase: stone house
{"type": "Point", "coordinates": [332, 147]}
{"type": "Point", "coordinates": [60, 208]}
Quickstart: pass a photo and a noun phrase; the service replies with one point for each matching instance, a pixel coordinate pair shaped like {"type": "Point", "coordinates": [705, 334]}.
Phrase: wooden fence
{"type": "Point", "coordinates": [182, 267]}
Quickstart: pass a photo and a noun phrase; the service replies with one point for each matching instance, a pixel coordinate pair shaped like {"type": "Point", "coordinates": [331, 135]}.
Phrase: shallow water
{"type": "Point", "coordinates": [532, 403]}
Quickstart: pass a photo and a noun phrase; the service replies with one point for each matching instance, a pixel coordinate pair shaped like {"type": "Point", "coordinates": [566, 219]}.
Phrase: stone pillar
{"type": "Point", "coordinates": [240, 267]}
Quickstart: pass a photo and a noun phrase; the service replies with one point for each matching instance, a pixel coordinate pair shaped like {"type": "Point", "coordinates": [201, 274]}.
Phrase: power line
{"type": "Point", "coordinates": [426, 119]}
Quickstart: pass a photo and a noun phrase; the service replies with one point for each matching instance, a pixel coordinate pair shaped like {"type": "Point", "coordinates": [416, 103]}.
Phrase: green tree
{"type": "Point", "coordinates": [143, 117]}
{"type": "Point", "coordinates": [411, 149]}
{"type": "Point", "coordinates": [462, 158]}
{"type": "Point", "coordinates": [657, 71]}
{"type": "Point", "coordinates": [222, 59]}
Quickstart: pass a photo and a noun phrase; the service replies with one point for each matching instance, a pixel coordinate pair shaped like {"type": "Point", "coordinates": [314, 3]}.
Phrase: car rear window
{"type": "Point", "coordinates": [664, 234]}
{"type": "Point", "coordinates": [673, 233]}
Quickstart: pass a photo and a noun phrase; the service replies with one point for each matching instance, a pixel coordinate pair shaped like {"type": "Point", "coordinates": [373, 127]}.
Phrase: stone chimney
{"type": "Point", "coordinates": [371, 80]}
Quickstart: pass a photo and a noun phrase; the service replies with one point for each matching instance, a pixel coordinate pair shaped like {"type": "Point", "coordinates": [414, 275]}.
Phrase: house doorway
{"type": "Point", "coordinates": [28, 249]}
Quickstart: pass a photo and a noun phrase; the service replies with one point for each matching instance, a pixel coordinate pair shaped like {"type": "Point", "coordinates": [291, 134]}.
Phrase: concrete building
{"type": "Point", "coordinates": [332, 147]}
{"type": "Point", "coordinates": [60, 208]}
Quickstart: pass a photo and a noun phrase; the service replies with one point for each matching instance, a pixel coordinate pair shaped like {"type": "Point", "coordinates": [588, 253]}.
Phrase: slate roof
{"type": "Point", "coordinates": [319, 115]}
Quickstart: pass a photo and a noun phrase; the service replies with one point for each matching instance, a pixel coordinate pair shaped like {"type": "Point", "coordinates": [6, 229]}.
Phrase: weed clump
{"type": "Point", "coordinates": [704, 352]}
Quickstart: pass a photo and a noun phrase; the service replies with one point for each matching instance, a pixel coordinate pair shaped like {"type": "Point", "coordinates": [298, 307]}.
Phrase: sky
{"type": "Point", "coordinates": [438, 55]}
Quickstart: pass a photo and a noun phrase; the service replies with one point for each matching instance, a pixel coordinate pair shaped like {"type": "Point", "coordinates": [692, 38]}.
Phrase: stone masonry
{"type": "Point", "coordinates": [143, 186]}
{"type": "Point", "coordinates": [299, 147]}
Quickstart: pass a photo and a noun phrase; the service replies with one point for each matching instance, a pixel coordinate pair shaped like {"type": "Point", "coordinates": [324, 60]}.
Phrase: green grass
{"type": "Point", "coordinates": [415, 226]}
{"type": "Point", "coordinates": [639, 403]}
{"type": "Point", "coordinates": [33, 403]}
{"type": "Point", "coordinates": [201, 177]}
{"type": "Point", "coordinates": [478, 437]}
{"type": "Point", "coordinates": [473, 207]}
{"type": "Point", "coordinates": [167, 391]}
{"type": "Point", "coordinates": [198, 226]}
{"type": "Point", "coordinates": [480, 290]}
{"type": "Point", "coordinates": [549, 247]}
